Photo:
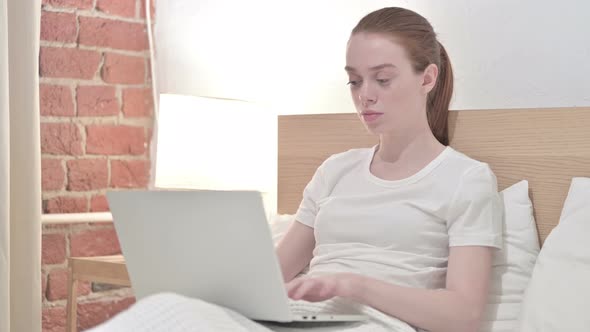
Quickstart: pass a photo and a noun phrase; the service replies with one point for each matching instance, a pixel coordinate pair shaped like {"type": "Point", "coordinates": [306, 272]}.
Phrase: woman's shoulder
{"type": "Point", "coordinates": [463, 164]}
{"type": "Point", "coordinates": [465, 173]}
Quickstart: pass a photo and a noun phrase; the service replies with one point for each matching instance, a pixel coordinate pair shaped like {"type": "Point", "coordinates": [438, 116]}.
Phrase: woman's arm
{"type": "Point", "coordinates": [295, 249]}
{"type": "Point", "coordinates": [456, 308]}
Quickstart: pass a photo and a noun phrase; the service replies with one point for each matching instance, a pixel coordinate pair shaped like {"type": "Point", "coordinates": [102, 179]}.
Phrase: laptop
{"type": "Point", "coordinates": [212, 245]}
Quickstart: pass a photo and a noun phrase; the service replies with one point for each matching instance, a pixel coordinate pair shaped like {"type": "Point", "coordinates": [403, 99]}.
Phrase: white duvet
{"type": "Point", "coordinates": [168, 312]}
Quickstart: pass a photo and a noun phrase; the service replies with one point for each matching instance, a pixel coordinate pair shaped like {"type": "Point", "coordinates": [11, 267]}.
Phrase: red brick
{"type": "Point", "coordinates": [81, 4]}
{"type": "Point", "coordinates": [142, 9]}
{"type": "Point", "coordinates": [87, 174]}
{"type": "Point", "coordinates": [123, 69]}
{"type": "Point", "coordinates": [57, 285]}
{"type": "Point", "coordinates": [97, 101]}
{"type": "Point", "coordinates": [61, 138]}
{"type": "Point", "coordinates": [99, 203]}
{"type": "Point", "coordinates": [63, 204]}
{"type": "Point", "coordinates": [115, 140]}
{"type": "Point", "coordinates": [68, 63]}
{"type": "Point", "coordinates": [53, 249]}
{"type": "Point", "coordinates": [56, 100]}
{"type": "Point", "coordinates": [137, 102]}
{"type": "Point", "coordinates": [59, 27]}
{"type": "Point", "coordinates": [95, 242]}
{"type": "Point", "coordinates": [52, 174]}
{"type": "Point", "coordinates": [129, 173]}
{"type": "Point", "coordinates": [54, 319]}
{"type": "Point", "coordinates": [96, 31]}
{"type": "Point", "coordinates": [91, 314]}
{"type": "Point", "coordinates": [125, 8]}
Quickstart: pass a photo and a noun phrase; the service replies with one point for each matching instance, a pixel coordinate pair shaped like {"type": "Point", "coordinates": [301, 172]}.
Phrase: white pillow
{"type": "Point", "coordinates": [558, 296]}
{"type": "Point", "coordinates": [279, 223]}
{"type": "Point", "coordinates": [513, 265]}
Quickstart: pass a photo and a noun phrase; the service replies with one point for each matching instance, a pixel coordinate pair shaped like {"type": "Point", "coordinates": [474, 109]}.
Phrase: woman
{"type": "Point", "coordinates": [407, 227]}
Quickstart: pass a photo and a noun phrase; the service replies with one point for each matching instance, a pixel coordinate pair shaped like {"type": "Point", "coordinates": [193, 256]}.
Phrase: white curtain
{"type": "Point", "coordinates": [20, 170]}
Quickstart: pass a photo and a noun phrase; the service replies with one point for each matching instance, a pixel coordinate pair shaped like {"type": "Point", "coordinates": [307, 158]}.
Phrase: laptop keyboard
{"type": "Point", "coordinates": [316, 308]}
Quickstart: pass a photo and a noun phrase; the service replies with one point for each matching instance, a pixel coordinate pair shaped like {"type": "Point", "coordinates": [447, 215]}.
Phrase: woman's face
{"type": "Point", "coordinates": [390, 98]}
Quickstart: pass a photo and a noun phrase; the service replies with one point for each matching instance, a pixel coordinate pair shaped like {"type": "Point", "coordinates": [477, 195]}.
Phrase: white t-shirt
{"type": "Point", "coordinates": [399, 231]}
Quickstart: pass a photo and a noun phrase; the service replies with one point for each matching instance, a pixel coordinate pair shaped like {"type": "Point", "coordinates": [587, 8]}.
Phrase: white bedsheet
{"type": "Point", "coordinates": [167, 312]}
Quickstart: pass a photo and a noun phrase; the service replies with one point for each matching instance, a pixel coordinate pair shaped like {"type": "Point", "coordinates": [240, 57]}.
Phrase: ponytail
{"type": "Point", "coordinates": [439, 99]}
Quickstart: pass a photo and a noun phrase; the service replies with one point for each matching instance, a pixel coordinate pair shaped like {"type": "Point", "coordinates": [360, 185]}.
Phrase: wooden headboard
{"type": "Point", "coordinates": [547, 147]}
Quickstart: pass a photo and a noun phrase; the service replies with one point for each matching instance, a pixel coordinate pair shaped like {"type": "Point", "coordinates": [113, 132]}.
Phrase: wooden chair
{"type": "Point", "coordinates": [104, 269]}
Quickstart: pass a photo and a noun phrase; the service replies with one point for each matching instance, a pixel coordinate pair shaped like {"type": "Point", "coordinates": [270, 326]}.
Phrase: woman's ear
{"type": "Point", "coordinates": [429, 78]}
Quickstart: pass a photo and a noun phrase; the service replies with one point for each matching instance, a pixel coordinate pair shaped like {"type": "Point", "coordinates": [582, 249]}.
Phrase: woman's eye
{"type": "Point", "coordinates": [353, 83]}
{"type": "Point", "coordinates": [383, 81]}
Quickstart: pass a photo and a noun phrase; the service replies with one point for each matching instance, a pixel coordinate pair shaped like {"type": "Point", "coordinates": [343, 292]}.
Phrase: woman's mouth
{"type": "Point", "coordinates": [370, 116]}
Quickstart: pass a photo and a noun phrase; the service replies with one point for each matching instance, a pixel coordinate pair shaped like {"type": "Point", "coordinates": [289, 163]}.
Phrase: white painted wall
{"type": "Point", "coordinates": [291, 55]}
{"type": "Point", "coordinates": [506, 53]}
{"type": "Point", "coordinates": [516, 54]}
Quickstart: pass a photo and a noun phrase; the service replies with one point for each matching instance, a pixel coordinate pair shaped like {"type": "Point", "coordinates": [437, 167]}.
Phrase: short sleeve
{"type": "Point", "coordinates": [313, 192]}
{"type": "Point", "coordinates": [475, 214]}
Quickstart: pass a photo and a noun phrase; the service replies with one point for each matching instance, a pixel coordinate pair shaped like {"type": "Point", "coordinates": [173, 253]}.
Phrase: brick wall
{"type": "Point", "coordinates": [96, 119]}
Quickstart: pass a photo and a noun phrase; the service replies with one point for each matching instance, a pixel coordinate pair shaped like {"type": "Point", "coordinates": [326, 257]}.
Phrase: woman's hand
{"type": "Point", "coordinates": [315, 289]}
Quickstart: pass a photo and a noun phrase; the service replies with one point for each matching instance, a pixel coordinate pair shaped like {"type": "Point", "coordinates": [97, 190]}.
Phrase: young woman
{"type": "Point", "coordinates": [407, 227]}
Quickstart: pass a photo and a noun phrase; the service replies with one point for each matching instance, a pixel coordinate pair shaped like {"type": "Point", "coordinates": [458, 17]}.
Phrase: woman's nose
{"type": "Point", "coordinates": [366, 96]}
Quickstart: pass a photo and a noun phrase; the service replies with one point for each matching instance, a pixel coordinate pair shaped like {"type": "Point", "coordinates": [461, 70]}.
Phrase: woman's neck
{"type": "Point", "coordinates": [400, 157]}
{"type": "Point", "coordinates": [393, 148]}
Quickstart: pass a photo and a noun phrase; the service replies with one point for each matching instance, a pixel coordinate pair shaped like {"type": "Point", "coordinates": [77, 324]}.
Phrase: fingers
{"type": "Point", "coordinates": [307, 287]}
{"type": "Point", "coordinates": [295, 288]}
{"type": "Point", "coordinates": [300, 288]}
{"type": "Point", "coordinates": [311, 289]}
{"type": "Point", "coordinates": [293, 285]}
